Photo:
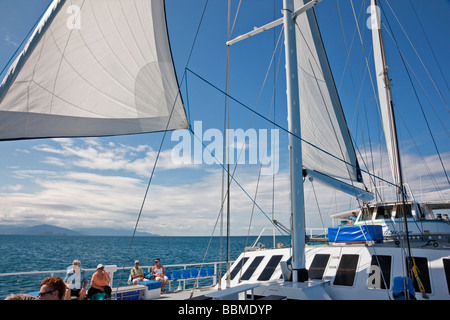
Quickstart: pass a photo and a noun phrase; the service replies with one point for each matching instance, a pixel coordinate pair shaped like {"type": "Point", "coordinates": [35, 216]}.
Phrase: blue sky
{"type": "Point", "coordinates": [101, 181]}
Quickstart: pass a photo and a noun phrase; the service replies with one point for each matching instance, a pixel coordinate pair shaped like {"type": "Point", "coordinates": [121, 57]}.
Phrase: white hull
{"type": "Point", "coordinates": [346, 272]}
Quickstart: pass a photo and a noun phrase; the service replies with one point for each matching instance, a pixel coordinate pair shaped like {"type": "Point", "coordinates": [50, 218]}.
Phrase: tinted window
{"type": "Point", "coordinates": [318, 266]}
{"type": "Point", "coordinates": [345, 274]}
{"type": "Point", "coordinates": [380, 272]}
{"type": "Point", "coordinates": [270, 268]}
{"type": "Point", "coordinates": [447, 273]}
{"type": "Point", "coordinates": [251, 269]}
{"type": "Point", "coordinates": [424, 275]}
{"type": "Point", "coordinates": [384, 212]}
{"type": "Point", "coordinates": [238, 267]}
{"type": "Point", "coordinates": [401, 210]}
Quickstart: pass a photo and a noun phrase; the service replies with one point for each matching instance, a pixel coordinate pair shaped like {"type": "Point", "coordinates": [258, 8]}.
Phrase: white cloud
{"type": "Point", "coordinates": [7, 39]}
{"type": "Point", "coordinates": [16, 187]}
{"type": "Point", "coordinates": [95, 188]}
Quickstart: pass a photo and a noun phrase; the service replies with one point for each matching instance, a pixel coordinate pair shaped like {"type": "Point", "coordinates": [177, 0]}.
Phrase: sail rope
{"type": "Point", "coordinates": [287, 130]}
{"type": "Point", "coordinates": [162, 142]}
{"type": "Point", "coordinates": [224, 198]}
{"type": "Point", "coordinates": [234, 179]}
{"type": "Point", "coordinates": [391, 34]}
{"type": "Point", "coordinates": [400, 188]}
{"type": "Point", "coordinates": [429, 44]}
{"type": "Point", "coordinates": [418, 56]}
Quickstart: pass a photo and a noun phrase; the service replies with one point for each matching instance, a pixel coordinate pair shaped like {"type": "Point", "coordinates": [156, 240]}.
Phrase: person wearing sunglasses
{"type": "Point", "coordinates": [159, 272]}
{"type": "Point", "coordinates": [100, 282]}
{"type": "Point", "coordinates": [52, 288]}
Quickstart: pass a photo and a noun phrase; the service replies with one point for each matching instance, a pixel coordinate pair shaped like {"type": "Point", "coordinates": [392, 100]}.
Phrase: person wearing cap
{"type": "Point", "coordinates": [136, 273]}
{"type": "Point", "coordinates": [100, 282]}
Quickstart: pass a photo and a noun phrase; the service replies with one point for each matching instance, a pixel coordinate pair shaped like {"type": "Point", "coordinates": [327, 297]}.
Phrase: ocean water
{"type": "Point", "coordinates": [45, 253]}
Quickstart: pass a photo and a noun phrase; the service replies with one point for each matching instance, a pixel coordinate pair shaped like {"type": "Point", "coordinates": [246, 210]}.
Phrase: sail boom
{"type": "Point", "coordinates": [341, 186]}
{"type": "Point", "coordinates": [272, 24]}
{"type": "Point", "coordinates": [255, 31]}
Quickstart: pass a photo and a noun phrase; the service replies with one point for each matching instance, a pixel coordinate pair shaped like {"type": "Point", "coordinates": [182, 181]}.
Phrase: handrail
{"type": "Point", "coordinates": [113, 269]}
{"type": "Point", "coordinates": [51, 272]}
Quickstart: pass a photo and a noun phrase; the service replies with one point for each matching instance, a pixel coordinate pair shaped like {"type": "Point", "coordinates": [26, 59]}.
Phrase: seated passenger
{"type": "Point", "coordinates": [136, 273]}
{"type": "Point", "coordinates": [76, 281]}
{"type": "Point", "coordinates": [100, 282]}
{"type": "Point", "coordinates": [159, 272]}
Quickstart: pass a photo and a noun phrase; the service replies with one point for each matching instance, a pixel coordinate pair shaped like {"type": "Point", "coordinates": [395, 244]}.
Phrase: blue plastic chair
{"type": "Point", "coordinates": [185, 274]}
{"type": "Point", "coordinates": [194, 273]}
{"type": "Point", "coordinates": [203, 272]}
{"type": "Point", "coordinates": [176, 275]}
{"type": "Point", "coordinates": [210, 272]}
{"type": "Point", "coordinates": [169, 275]}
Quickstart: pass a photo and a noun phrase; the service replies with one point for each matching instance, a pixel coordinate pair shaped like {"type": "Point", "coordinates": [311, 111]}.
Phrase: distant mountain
{"type": "Point", "coordinates": [39, 230]}
{"type": "Point", "coordinates": [49, 230]}
{"type": "Point", "coordinates": [113, 232]}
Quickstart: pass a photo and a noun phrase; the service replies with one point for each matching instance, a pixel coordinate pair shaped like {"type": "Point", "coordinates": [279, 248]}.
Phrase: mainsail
{"type": "Point", "coordinates": [93, 68]}
{"type": "Point", "coordinates": [323, 123]}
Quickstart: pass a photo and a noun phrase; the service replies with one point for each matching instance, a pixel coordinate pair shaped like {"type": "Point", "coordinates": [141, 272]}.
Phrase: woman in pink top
{"type": "Point", "coordinates": [100, 282]}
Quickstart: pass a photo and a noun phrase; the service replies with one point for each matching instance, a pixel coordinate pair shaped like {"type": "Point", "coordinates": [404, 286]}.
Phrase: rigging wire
{"type": "Point", "coordinates": [429, 44]}
{"type": "Point", "coordinates": [163, 139]}
{"type": "Point", "coordinates": [415, 91]}
{"type": "Point", "coordinates": [418, 56]}
{"type": "Point", "coordinates": [286, 130]}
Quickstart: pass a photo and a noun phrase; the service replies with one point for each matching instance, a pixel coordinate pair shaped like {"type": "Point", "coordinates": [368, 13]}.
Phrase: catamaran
{"type": "Point", "coordinates": [72, 82]}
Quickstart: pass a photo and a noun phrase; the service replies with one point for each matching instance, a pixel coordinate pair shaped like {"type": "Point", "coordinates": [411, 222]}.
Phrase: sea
{"type": "Point", "coordinates": [19, 253]}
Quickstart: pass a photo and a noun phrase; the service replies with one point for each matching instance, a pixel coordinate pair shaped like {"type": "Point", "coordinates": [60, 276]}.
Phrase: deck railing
{"type": "Point", "coordinates": [121, 273]}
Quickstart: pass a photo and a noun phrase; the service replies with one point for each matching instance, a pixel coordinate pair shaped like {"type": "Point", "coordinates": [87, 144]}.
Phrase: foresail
{"type": "Point", "coordinates": [93, 68]}
{"type": "Point", "coordinates": [323, 123]}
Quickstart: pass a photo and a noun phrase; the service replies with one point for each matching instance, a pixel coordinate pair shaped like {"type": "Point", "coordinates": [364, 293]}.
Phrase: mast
{"type": "Point", "coordinates": [387, 112]}
{"type": "Point", "coordinates": [385, 97]}
{"type": "Point", "coordinates": [299, 273]}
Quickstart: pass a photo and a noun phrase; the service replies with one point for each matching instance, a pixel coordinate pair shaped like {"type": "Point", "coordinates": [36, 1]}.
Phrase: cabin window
{"type": "Point", "coordinates": [424, 275]}
{"type": "Point", "coordinates": [401, 210]}
{"type": "Point", "coordinates": [251, 269]}
{"type": "Point", "coordinates": [384, 212]}
{"type": "Point", "coordinates": [447, 273]}
{"type": "Point", "coordinates": [345, 274]}
{"type": "Point", "coordinates": [380, 272]}
{"type": "Point", "coordinates": [238, 267]}
{"type": "Point", "coordinates": [318, 266]}
{"type": "Point", "coordinates": [270, 268]}
{"type": "Point", "coordinates": [367, 214]}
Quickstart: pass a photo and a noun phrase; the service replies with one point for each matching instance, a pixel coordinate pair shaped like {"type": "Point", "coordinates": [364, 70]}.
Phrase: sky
{"type": "Point", "coordinates": [101, 182]}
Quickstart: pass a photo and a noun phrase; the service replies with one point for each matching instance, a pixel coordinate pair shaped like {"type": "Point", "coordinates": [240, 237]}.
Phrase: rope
{"type": "Point", "coordinates": [162, 141]}
{"type": "Point", "coordinates": [418, 56]}
{"type": "Point", "coordinates": [415, 92]}
{"type": "Point", "coordinates": [287, 131]}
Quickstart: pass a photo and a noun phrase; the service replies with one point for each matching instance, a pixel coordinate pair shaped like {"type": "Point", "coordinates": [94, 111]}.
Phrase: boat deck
{"type": "Point", "coordinates": [185, 294]}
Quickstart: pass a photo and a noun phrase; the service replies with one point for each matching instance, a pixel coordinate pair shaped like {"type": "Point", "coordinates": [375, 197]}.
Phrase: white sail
{"type": "Point", "coordinates": [93, 68]}
{"type": "Point", "coordinates": [322, 119]}
{"type": "Point", "coordinates": [384, 93]}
